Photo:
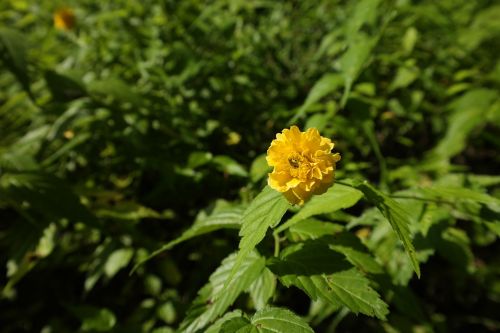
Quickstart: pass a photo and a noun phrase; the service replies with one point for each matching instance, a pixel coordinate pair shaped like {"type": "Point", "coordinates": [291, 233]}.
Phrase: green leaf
{"type": "Point", "coordinates": [216, 296]}
{"type": "Point", "coordinates": [13, 50]}
{"type": "Point", "coordinates": [259, 168]}
{"type": "Point", "coordinates": [64, 87]}
{"type": "Point", "coordinates": [17, 162]}
{"type": "Point", "coordinates": [458, 194]}
{"type": "Point", "coordinates": [353, 60]}
{"type": "Point", "coordinates": [66, 148]}
{"type": "Point", "coordinates": [364, 12]}
{"type": "Point", "coordinates": [265, 211]}
{"type": "Point", "coordinates": [454, 246]}
{"type": "Point", "coordinates": [494, 226]}
{"type": "Point", "coordinates": [409, 39]}
{"type": "Point", "coordinates": [272, 319]}
{"type": "Point", "coordinates": [324, 86]}
{"type": "Point", "coordinates": [268, 320]}
{"type": "Point", "coordinates": [229, 166]}
{"type": "Point", "coordinates": [312, 229]}
{"type": "Point", "coordinates": [45, 194]}
{"type": "Point", "coordinates": [26, 251]}
{"type": "Point", "coordinates": [198, 158]}
{"type": "Point", "coordinates": [397, 217]}
{"type": "Point", "coordinates": [323, 273]}
{"type": "Point", "coordinates": [355, 252]}
{"type": "Point", "coordinates": [337, 197]}
{"type": "Point", "coordinates": [216, 327]}
{"type": "Point", "coordinates": [116, 89]}
{"type": "Point", "coordinates": [404, 77]}
{"type": "Point", "coordinates": [117, 260]}
{"type": "Point", "coordinates": [94, 319]}
{"type": "Point", "coordinates": [263, 289]}
{"type": "Point", "coordinates": [129, 211]}
{"type": "Point", "coordinates": [469, 111]}
{"type": "Point", "coordinates": [238, 325]}
{"type": "Point", "coordinates": [225, 218]}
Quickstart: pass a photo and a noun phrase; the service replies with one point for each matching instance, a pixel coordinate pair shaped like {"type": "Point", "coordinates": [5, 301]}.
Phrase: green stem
{"type": "Point", "coordinates": [276, 244]}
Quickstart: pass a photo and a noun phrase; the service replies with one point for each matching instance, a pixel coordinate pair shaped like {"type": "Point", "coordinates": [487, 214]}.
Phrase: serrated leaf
{"type": "Point", "coordinates": [216, 327]}
{"type": "Point", "coordinates": [323, 273]}
{"type": "Point", "coordinates": [263, 288]}
{"type": "Point", "coordinates": [226, 218]}
{"type": "Point", "coordinates": [312, 229]}
{"type": "Point", "coordinates": [355, 252]}
{"type": "Point", "coordinates": [216, 296]}
{"type": "Point", "coordinates": [397, 217]}
{"type": "Point", "coordinates": [238, 325]}
{"type": "Point", "coordinates": [459, 194]}
{"type": "Point", "coordinates": [337, 197]}
{"type": "Point", "coordinates": [265, 211]}
{"type": "Point", "coordinates": [279, 320]}
{"type": "Point", "coordinates": [268, 320]}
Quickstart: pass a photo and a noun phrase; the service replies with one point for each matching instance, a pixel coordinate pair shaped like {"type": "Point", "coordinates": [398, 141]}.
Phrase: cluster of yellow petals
{"type": "Point", "coordinates": [303, 164]}
{"type": "Point", "coordinates": [64, 19]}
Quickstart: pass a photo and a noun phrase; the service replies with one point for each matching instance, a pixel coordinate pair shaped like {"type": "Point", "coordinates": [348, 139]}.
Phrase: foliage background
{"type": "Point", "coordinates": [117, 135]}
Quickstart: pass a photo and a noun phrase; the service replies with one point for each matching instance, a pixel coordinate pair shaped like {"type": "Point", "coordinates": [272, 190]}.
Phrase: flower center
{"type": "Point", "coordinates": [295, 160]}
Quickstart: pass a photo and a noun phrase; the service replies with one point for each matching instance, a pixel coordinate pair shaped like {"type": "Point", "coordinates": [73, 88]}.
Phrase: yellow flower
{"type": "Point", "coordinates": [233, 138]}
{"type": "Point", "coordinates": [303, 164]}
{"type": "Point", "coordinates": [64, 19]}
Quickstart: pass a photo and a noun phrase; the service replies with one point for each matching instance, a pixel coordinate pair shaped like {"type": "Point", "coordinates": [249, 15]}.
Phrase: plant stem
{"type": "Point", "coordinates": [276, 244]}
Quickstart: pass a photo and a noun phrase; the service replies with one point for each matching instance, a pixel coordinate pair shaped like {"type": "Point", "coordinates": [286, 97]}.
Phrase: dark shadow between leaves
{"type": "Point", "coordinates": [312, 257]}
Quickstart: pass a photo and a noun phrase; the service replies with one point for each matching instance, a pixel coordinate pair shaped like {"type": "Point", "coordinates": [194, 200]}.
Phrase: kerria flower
{"type": "Point", "coordinates": [64, 19]}
{"type": "Point", "coordinates": [303, 164]}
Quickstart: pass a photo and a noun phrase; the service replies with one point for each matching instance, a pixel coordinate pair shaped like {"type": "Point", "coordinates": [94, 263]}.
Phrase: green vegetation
{"type": "Point", "coordinates": [133, 177]}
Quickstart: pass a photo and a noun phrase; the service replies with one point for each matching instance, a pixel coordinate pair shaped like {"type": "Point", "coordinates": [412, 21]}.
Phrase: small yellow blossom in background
{"type": "Point", "coordinates": [69, 134]}
{"type": "Point", "coordinates": [64, 19]}
{"type": "Point", "coordinates": [303, 164]}
{"type": "Point", "coordinates": [233, 138]}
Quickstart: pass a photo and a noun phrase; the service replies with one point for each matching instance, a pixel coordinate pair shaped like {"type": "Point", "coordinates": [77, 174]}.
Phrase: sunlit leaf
{"type": "Point", "coordinates": [323, 273]}
{"type": "Point", "coordinates": [337, 197]}
{"type": "Point", "coordinates": [216, 296]}
{"type": "Point", "coordinates": [262, 289]}
{"type": "Point", "coordinates": [312, 229]}
{"type": "Point", "coordinates": [265, 211]}
{"type": "Point", "coordinates": [397, 217]}
{"type": "Point", "coordinates": [268, 320]}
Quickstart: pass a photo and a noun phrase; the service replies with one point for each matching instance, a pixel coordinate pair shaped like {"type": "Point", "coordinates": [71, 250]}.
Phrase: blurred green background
{"type": "Point", "coordinates": [130, 121]}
